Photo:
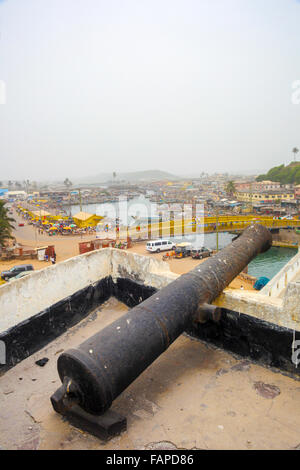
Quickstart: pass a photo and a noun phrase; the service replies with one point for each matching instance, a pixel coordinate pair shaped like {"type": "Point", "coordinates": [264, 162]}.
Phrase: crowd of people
{"type": "Point", "coordinates": [52, 258]}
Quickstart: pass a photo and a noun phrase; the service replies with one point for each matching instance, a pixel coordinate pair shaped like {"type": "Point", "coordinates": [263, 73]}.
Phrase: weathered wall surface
{"type": "Point", "coordinates": [284, 311]}
{"type": "Point", "coordinates": [254, 304]}
{"type": "Point", "coordinates": [25, 297]}
{"type": "Point", "coordinates": [276, 287]}
{"type": "Point", "coordinates": [291, 301]}
{"type": "Point", "coordinates": [144, 269]}
{"type": "Point", "coordinates": [22, 298]}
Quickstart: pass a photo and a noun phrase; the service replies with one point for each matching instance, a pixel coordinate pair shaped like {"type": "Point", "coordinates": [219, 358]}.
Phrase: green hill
{"type": "Point", "coordinates": [283, 174]}
{"type": "Point", "coordinates": [147, 175]}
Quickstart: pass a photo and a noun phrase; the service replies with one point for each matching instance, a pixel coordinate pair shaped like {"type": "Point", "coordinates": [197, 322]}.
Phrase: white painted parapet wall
{"type": "Point", "coordinates": [277, 285]}
{"type": "Point", "coordinates": [22, 298]}
{"type": "Point", "coordinates": [25, 297]}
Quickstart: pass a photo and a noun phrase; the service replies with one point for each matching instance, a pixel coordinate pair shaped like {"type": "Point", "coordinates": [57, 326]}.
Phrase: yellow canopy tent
{"type": "Point", "coordinates": [84, 219]}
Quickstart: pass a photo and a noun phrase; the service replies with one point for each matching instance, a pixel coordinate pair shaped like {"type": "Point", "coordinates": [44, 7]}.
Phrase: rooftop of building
{"type": "Point", "coordinates": [194, 396]}
{"type": "Point", "coordinates": [276, 191]}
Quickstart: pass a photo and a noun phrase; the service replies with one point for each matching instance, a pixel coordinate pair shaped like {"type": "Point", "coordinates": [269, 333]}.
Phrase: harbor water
{"type": "Point", "coordinates": [270, 263]}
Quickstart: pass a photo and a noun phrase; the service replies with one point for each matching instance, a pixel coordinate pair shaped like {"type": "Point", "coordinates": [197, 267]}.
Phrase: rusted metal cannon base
{"type": "Point", "coordinates": [105, 426]}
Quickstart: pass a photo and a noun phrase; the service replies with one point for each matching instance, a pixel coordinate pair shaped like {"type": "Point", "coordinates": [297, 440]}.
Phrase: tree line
{"type": "Point", "coordinates": [6, 225]}
{"type": "Point", "coordinates": [283, 174]}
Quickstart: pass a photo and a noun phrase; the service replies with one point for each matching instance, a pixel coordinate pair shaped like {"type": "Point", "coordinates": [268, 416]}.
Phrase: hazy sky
{"type": "Point", "coordinates": [122, 85]}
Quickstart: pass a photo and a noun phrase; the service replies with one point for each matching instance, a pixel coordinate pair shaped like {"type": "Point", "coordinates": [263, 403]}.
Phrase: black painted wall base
{"type": "Point", "coordinates": [33, 334]}
{"type": "Point", "coordinates": [264, 342]}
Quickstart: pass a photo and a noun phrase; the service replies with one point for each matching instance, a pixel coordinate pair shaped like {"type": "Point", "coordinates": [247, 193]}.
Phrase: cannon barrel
{"type": "Point", "coordinates": [104, 365]}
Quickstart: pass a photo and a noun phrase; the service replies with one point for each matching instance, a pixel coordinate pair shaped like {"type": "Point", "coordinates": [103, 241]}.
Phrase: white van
{"type": "Point", "coordinates": [160, 245]}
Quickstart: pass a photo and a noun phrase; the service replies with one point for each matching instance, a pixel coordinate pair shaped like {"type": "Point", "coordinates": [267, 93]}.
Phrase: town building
{"type": "Point", "coordinates": [265, 196]}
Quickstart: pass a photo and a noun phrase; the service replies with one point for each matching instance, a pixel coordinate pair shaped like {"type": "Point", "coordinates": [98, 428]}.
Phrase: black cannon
{"type": "Point", "coordinates": [95, 373]}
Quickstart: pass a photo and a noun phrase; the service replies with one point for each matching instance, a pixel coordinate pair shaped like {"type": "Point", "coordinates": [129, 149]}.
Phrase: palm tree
{"type": "Point", "coordinates": [6, 226]}
{"type": "Point", "coordinates": [26, 185]}
{"type": "Point", "coordinates": [295, 151]}
{"type": "Point", "coordinates": [230, 188]}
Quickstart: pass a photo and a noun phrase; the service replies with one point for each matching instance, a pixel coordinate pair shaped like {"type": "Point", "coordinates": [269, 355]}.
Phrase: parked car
{"type": "Point", "coordinates": [160, 245]}
{"type": "Point", "coordinates": [183, 250]}
{"type": "Point", "coordinates": [16, 270]}
{"type": "Point", "coordinates": [21, 225]}
{"type": "Point", "coordinates": [200, 253]}
{"type": "Point", "coordinates": [18, 276]}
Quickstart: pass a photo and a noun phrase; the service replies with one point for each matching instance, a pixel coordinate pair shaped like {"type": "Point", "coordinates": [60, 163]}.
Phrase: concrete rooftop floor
{"type": "Point", "coordinates": [194, 396]}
